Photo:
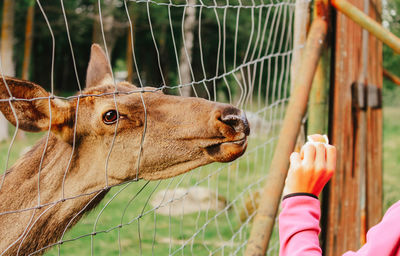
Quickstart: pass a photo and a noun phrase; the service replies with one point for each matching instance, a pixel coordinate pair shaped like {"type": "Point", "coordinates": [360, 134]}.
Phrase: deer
{"type": "Point", "coordinates": [109, 134]}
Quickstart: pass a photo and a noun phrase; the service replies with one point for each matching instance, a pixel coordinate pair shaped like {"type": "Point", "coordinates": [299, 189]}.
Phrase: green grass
{"type": "Point", "coordinates": [199, 233]}
{"type": "Point", "coordinates": [391, 145]}
{"type": "Point", "coordinates": [391, 155]}
{"type": "Point", "coordinates": [161, 235]}
{"type": "Point", "coordinates": [9, 153]}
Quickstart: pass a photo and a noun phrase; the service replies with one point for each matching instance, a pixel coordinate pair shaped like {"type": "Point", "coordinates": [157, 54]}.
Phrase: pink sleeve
{"type": "Point", "coordinates": [299, 226]}
{"type": "Point", "coordinates": [299, 229]}
{"type": "Point", "coordinates": [383, 238]}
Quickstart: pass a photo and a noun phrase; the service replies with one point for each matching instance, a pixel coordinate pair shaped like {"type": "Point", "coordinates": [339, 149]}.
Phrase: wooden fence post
{"type": "Point", "coordinates": [359, 150]}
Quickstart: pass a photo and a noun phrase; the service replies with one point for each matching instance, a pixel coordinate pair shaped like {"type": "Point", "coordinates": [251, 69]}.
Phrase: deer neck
{"type": "Point", "coordinates": [66, 192]}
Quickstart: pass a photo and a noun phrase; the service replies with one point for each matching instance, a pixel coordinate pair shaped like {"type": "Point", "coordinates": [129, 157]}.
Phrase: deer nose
{"type": "Point", "coordinates": [236, 119]}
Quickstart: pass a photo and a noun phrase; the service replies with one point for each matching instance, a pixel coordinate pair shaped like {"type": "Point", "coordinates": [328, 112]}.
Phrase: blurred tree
{"type": "Point", "coordinates": [391, 20]}
{"type": "Point", "coordinates": [6, 53]}
{"type": "Point", "coordinates": [112, 26]}
{"type": "Point", "coordinates": [224, 40]}
{"type": "Point", "coordinates": [28, 40]}
{"type": "Point", "coordinates": [185, 64]}
{"type": "Point", "coordinates": [27, 49]}
{"type": "Point", "coordinates": [129, 52]}
{"type": "Point", "coordinates": [80, 16]}
{"type": "Point", "coordinates": [131, 30]}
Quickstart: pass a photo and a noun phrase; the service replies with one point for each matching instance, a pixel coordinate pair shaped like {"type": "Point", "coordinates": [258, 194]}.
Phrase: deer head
{"type": "Point", "coordinates": [109, 133]}
{"type": "Point", "coordinates": [127, 132]}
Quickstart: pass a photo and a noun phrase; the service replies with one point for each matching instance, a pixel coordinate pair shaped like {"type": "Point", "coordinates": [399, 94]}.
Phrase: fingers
{"type": "Point", "coordinates": [295, 159]}
{"type": "Point", "coordinates": [308, 156]}
{"type": "Point", "coordinates": [330, 158]}
{"type": "Point", "coordinates": [320, 158]}
{"type": "Point", "coordinates": [312, 168]}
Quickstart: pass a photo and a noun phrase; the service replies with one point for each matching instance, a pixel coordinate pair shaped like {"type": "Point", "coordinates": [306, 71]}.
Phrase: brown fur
{"type": "Point", "coordinates": [182, 134]}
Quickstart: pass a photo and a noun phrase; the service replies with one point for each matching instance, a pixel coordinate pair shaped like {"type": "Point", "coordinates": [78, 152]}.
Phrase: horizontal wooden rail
{"type": "Point", "coordinates": [392, 77]}
{"type": "Point", "coordinates": [270, 198]}
{"type": "Point", "coordinates": [368, 23]}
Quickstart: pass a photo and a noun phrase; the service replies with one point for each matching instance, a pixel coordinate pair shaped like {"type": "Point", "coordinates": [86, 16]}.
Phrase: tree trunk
{"type": "Point", "coordinates": [186, 49]}
{"type": "Point", "coordinates": [112, 28]}
{"type": "Point", "coordinates": [28, 42]}
{"type": "Point", "coordinates": [107, 26]}
{"type": "Point", "coordinates": [27, 51]}
{"type": "Point", "coordinates": [164, 53]}
{"type": "Point", "coordinates": [129, 57]}
{"type": "Point", "coordinates": [6, 53]}
{"type": "Point", "coordinates": [131, 41]}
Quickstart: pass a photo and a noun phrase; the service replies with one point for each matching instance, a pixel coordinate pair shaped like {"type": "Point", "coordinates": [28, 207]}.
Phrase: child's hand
{"type": "Point", "coordinates": [311, 169]}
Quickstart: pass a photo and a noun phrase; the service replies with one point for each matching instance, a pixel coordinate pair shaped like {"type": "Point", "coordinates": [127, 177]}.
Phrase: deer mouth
{"type": "Point", "coordinates": [227, 151]}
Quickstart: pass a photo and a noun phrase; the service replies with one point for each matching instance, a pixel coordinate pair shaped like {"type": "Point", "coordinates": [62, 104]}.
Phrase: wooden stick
{"type": "Point", "coordinates": [368, 23]}
{"type": "Point", "coordinates": [318, 105]}
{"type": "Point", "coordinates": [270, 198]}
{"type": "Point", "coordinates": [301, 26]}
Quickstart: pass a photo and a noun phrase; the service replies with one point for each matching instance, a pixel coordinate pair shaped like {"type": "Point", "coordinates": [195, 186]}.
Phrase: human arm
{"type": "Point", "coordinates": [300, 215]}
{"type": "Point", "coordinates": [299, 226]}
{"type": "Point", "coordinates": [299, 219]}
{"type": "Point", "coordinates": [383, 238]}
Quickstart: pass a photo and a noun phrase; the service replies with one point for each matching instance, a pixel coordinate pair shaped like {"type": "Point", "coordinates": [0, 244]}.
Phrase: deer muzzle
{"type": "Point", "coordinates": [234, 128]}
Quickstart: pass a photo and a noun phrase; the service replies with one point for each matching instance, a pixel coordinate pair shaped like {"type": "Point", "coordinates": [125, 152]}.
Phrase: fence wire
{"type": "Point", "coordinates": [237, 52]}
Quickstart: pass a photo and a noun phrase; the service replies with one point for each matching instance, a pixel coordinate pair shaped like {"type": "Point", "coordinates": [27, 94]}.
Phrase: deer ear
{"type": "Point", "coordinates": [99, 71]}
{"type": "Point", "coordinates": [31, 105]}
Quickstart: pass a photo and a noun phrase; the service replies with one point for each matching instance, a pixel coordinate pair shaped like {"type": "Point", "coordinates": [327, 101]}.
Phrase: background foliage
{"type": "Point", "coordinates": [84, 28]}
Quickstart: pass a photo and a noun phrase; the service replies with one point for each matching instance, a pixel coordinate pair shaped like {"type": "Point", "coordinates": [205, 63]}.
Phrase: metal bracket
{"type": "Point", "coordinates": [366, 96]}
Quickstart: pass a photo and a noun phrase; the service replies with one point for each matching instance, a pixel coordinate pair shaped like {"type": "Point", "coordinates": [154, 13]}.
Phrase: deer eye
{"type": "Point", "coordinates": [110, 117]}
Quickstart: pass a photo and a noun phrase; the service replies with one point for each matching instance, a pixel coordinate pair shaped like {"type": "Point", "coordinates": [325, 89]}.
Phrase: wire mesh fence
{"type": "Point", "coordinates": [237, 52]}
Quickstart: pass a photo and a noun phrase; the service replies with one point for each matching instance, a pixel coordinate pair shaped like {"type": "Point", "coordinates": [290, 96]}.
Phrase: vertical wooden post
{"type": "Point", "coordinates": [344, 228]}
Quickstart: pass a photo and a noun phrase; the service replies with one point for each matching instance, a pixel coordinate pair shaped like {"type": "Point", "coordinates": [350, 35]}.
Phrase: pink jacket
{"type": "Point", "coordinates": [299, 229]}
